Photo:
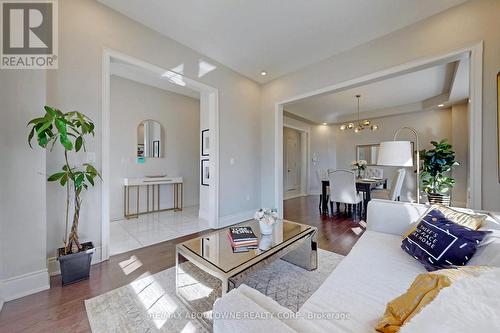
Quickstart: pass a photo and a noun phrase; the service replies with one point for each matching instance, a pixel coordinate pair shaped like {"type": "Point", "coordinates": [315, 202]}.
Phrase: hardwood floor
{"type": "Point", "coordinates": [334, 233]}
{"type": "Point", "coordinates": [62, 309]}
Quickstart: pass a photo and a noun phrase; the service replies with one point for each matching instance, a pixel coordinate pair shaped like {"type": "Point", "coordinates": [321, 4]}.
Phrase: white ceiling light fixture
{"type": "Point", "coordinates": [263, 73]}
{"type": "Point", "coordinates": [360, 124]}
{"type": "Point", "coordinates": [440, 105]}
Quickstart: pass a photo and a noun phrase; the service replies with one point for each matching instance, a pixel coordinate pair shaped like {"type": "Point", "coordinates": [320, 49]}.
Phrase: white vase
{"type": "Point", "coordinates": [265, 229]}
{"type": "Point", "coordinates": [266, 242]}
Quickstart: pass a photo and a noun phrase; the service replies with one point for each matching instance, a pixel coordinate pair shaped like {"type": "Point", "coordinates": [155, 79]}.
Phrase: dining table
{"type": "Point", "coordinates": [364, 185]}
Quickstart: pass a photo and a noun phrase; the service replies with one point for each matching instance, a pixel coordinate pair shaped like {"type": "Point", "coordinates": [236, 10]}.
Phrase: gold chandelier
{"type": "Point", "coordinates": [360, 124]}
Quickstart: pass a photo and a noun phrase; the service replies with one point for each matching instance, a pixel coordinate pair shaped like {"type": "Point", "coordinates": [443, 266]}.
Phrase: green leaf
{"type": "Point", "coordinates": [36, 121]}
{"type": "Point", "coordinates": [64, 180]}
{"type": "Point", "coordinates": [61, 126]}
{"type": "Point", "coordinates": [92, 171]}
{"type": "Point", "coordinates": [90, 179]}
{"type": "Point", "coordinates": [42, 140]}
{"type": "Point", "coordinates": [66, 143]}
{"type": "Point", "coordinates": [78, 143]}
{"type": "Point", "coordinates": [43, 127]}
{"type": "Point", "coordinates": [30, 136]}
{"type": "Point", "coordinates": [80, 117]}
{"type": "Point", "coordinates": [56, 176]}
{"type": "Point", "coordinates": [79, 178]}
{"type": "Point", "coordinates": [50, 110]}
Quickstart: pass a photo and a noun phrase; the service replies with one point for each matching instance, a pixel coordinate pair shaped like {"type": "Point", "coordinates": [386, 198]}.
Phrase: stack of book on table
{"type": "Point", "coordinates": [242, 239]}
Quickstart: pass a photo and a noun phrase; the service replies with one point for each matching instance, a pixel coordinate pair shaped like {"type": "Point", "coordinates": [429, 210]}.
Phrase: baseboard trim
{"type": "Point", "coordinates": [236, 218]}
{"type": "Point", "coordinates": [24, 285]}
{"type": "Point", "coordinates": [53, 264]}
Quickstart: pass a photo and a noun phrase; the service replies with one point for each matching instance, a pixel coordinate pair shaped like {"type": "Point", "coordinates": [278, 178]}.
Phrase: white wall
{"type": "Point", "coordinates": [22, 188]}
{"type": "Point", "coordinates": [324, 149]}
{"type": "Point", "coordinates": [430, 125]}
{"type": "Point", "coordinates": [131, 103]}
{"type": "Point", "coordinates": [460, 141]}
{"type": "Point", "coordinates": [458, 27]}
{"type": "Point", "coordinates": [85, 28]}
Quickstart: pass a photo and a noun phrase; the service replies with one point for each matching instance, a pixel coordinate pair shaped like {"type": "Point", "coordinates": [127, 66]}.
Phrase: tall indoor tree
{"type": "Point", "coordinates": [69, 130]}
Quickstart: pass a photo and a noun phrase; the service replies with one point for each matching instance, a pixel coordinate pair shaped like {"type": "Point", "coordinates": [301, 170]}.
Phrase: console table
{"type": "Point", "coordinates": [152, 185]}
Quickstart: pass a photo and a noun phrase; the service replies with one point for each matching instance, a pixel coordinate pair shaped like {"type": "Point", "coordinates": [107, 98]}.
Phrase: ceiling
{"type": "Point", "coordinates": [279, 36]}
{"type": "Point", "coordinates": [415, 91]}
{"type": "Point", "coordinates": [144, 76]}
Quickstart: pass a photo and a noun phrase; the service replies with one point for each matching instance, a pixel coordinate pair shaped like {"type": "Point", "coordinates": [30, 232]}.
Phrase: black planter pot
{"type": "Point", "coordinates": [75, 266]}
{"type": "Point", "coordinates": [435, 198]}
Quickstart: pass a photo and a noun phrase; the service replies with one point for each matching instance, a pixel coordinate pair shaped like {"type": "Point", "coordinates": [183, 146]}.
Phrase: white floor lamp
{"type": "Point", "coordinates": [400, 154]}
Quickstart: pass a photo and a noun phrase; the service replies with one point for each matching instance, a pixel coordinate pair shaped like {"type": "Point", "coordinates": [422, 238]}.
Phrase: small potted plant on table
{"type": "Point", "coordinates": [267, 218]}
{"type": "Point", "coordinates": [359, 166]}
{"type": "Point", "coordinates": [69, 130]}
{"type": "Point", "coordinates": [436, 163]}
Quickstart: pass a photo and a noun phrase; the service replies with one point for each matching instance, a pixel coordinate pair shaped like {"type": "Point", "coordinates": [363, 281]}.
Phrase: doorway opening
{"type": "Point", "coordinates": [295, 161]}
{"type": "Point", "coordinates": [472, 54]}
{"type": "Point", "coordinates": [159, 156]}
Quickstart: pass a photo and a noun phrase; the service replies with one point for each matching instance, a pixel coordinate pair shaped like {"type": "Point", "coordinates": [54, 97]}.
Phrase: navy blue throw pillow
{"type": "Point", "coordinates": [440, 243]}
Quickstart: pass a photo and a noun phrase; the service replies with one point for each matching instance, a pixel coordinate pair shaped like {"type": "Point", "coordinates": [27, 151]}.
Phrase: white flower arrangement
{"type": "Point", "coordinates": [359, 165]}
{"type": "Point", "coordinates": [266, 215]}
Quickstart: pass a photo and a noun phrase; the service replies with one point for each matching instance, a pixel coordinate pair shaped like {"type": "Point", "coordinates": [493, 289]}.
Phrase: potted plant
{"type": "Point", "coordinates": [267, 218]}
{"type": "Point", "coordinates": [359, 166]}
{"type": "Point", "coordinates": [69, 130]}
{"type": "Point", "coordinates": [436, 164]}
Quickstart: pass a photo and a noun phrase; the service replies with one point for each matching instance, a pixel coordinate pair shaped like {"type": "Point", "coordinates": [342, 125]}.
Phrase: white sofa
{"type": "Point", "coordinates": [375, 271]}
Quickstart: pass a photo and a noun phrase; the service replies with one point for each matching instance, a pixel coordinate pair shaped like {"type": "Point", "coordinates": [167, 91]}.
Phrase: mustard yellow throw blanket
{"type": "Point", "coordinates": [422, 291]}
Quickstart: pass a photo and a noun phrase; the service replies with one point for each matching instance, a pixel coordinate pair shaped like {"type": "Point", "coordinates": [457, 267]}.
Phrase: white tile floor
{"type": "Point", "coordinates": [127, 235]}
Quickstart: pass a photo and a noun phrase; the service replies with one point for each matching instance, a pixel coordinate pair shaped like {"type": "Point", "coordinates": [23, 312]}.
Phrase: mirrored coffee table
{"type": "Point", "coordinates": [207, 268]}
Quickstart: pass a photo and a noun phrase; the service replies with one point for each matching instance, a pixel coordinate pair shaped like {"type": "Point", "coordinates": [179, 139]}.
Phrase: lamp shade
{"type": "Point", "coordinates": [395, 153]}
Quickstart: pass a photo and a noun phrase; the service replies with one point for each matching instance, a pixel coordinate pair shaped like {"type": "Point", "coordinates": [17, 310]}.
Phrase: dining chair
{"type": "Point", "coordinates": [372, 172]}
{"type": "Point", "coordinates": [343, 190]}
{"type": "Point", "coordinates": [394, 193]}
{"type": "Point", "coordinates": [322, 174]}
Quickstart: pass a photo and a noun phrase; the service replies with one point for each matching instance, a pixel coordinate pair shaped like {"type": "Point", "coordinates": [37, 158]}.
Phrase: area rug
{"type": "Point", "coordinates": [149, 304]}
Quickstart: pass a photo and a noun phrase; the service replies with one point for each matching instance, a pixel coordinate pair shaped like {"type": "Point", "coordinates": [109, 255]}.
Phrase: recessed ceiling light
{"type": "Point", "coordinates": [324, 124]}
{"type": "Point", "coordinates": [263, 73]}
{"type": "Point", "coordinates": [440, 105]}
